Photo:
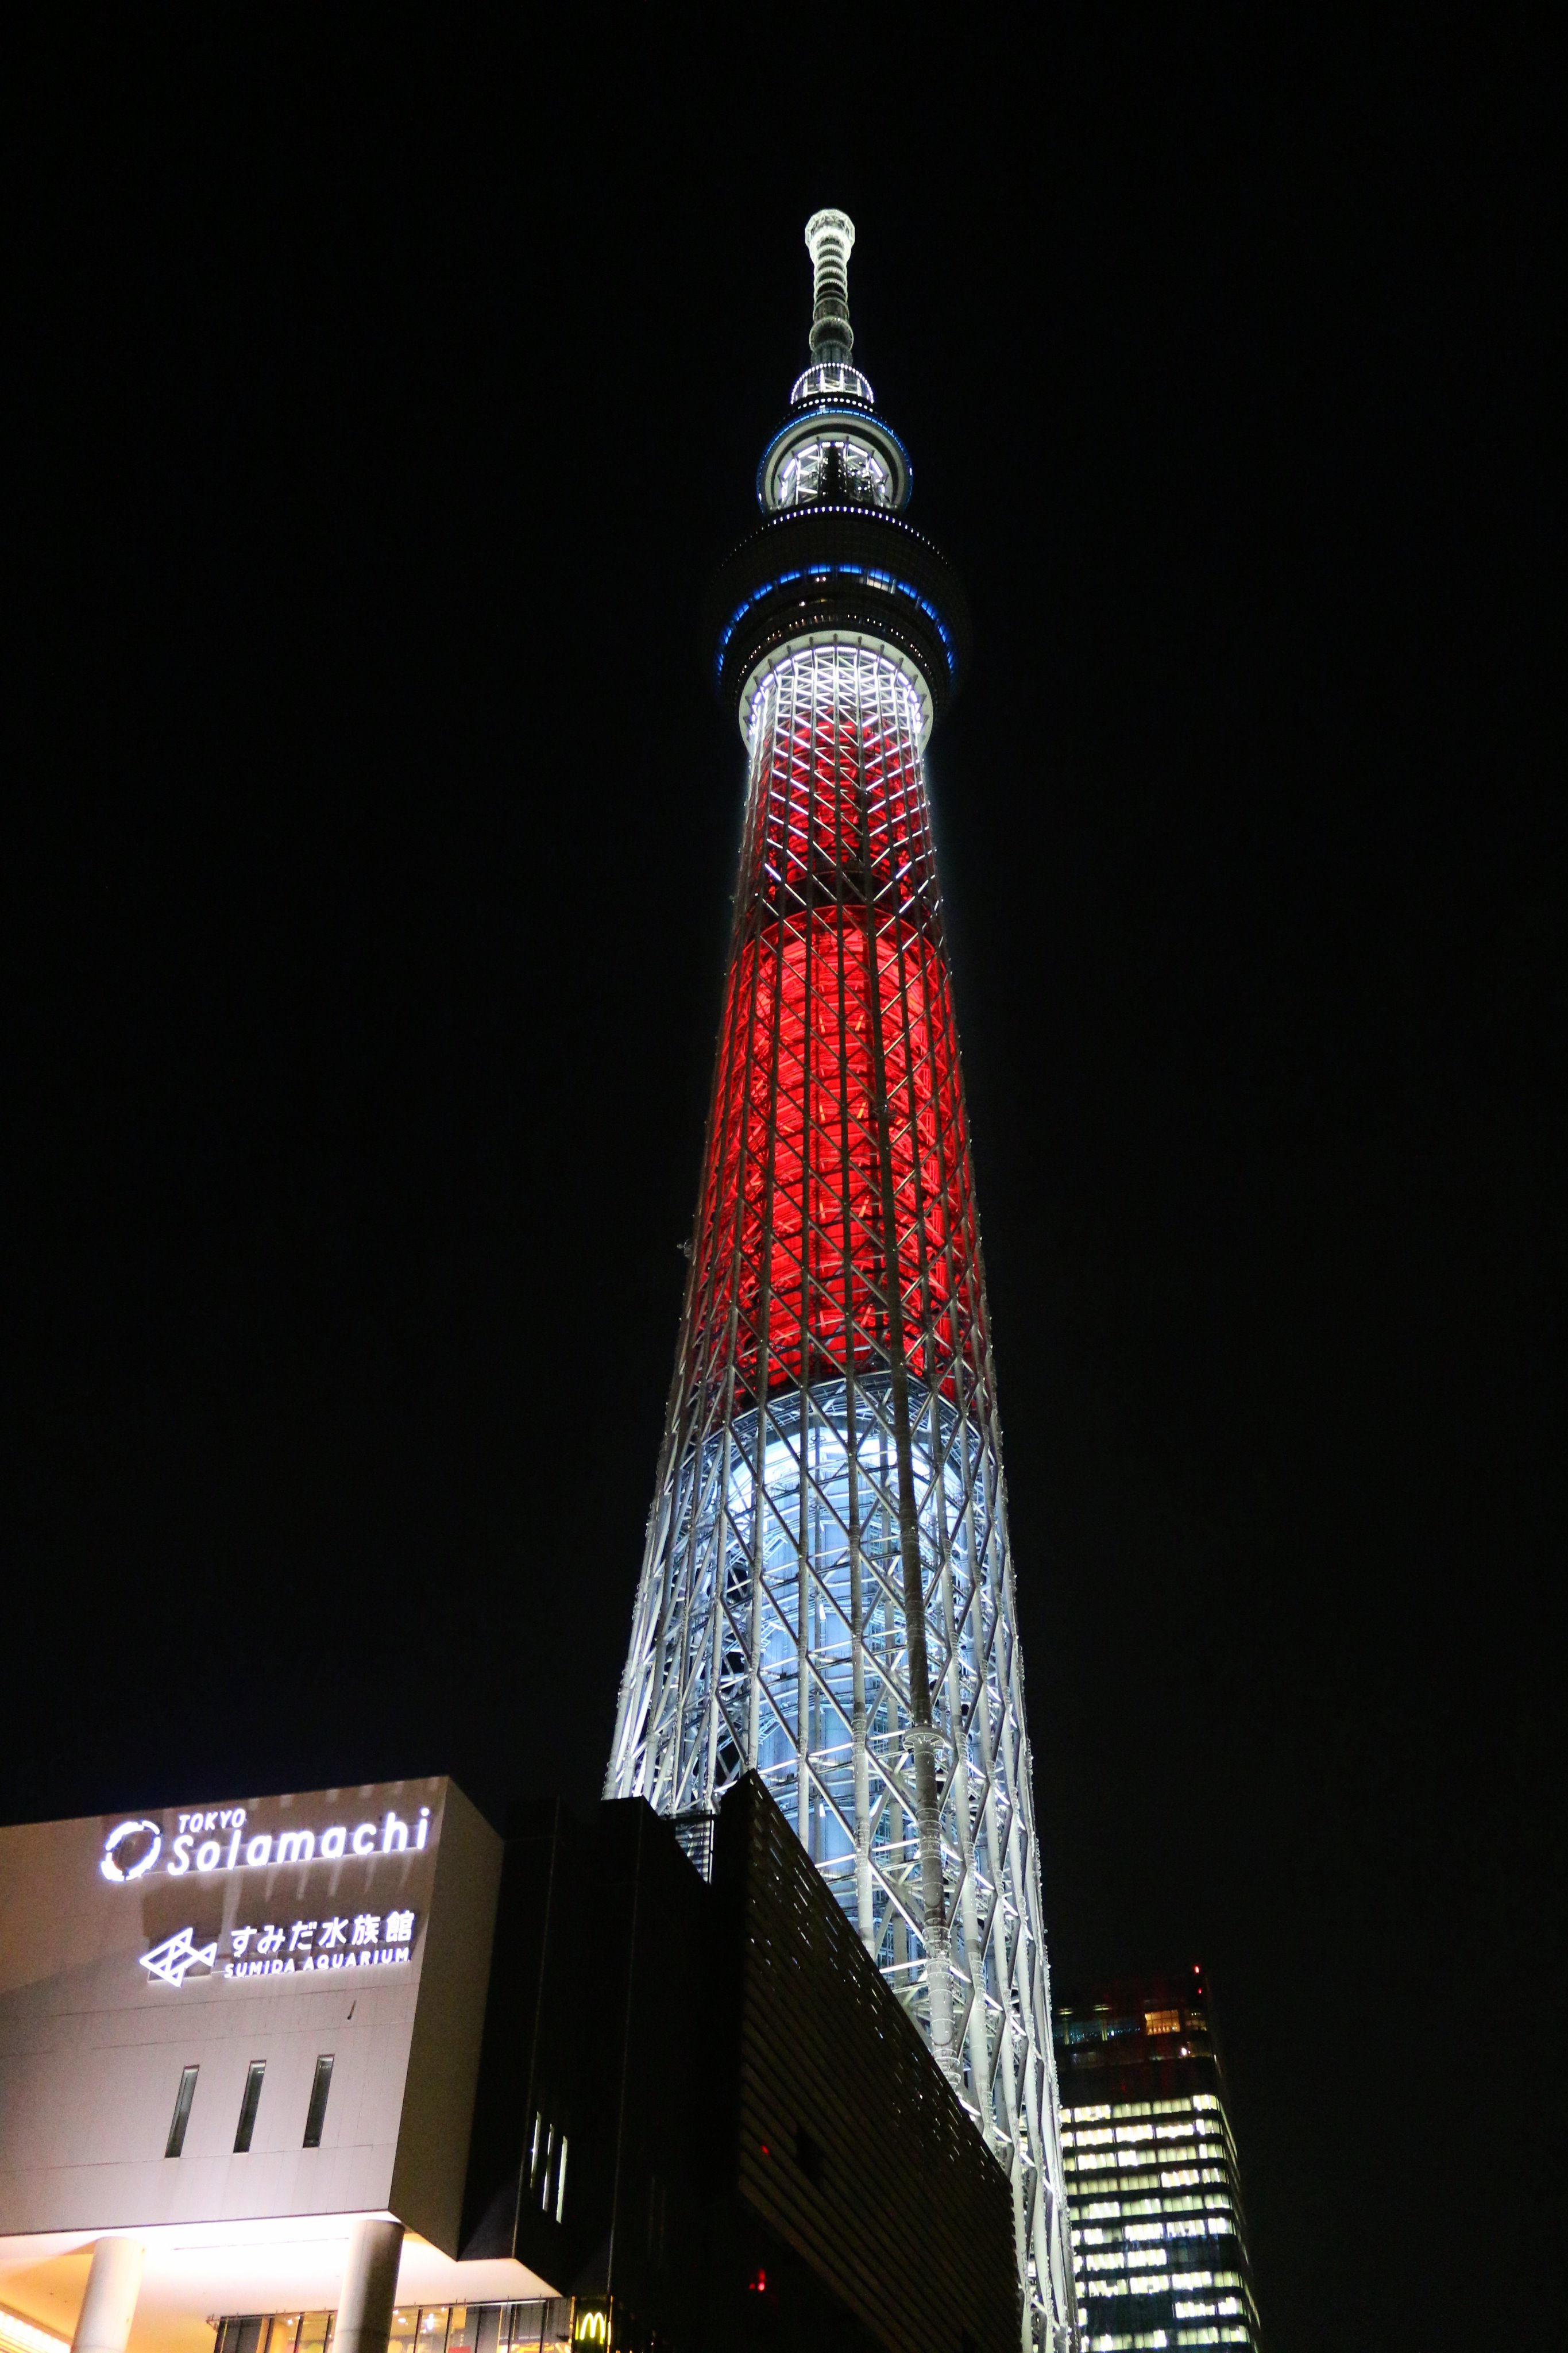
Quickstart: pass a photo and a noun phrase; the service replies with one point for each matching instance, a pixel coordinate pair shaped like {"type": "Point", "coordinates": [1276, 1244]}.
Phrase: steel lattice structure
{"type": "Point", "coordinates": [827, 1593]}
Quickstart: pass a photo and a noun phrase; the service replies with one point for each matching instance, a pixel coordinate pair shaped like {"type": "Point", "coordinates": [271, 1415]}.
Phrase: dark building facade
{"type": "Point", "coordinates": [1153, 2187]}
{"type": "Point", "coordinates": [757, 2147]}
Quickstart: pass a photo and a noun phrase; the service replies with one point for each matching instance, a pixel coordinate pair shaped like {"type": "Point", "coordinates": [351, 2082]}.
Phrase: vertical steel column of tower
{"type": "Point", "coordinates": [826, 1594]}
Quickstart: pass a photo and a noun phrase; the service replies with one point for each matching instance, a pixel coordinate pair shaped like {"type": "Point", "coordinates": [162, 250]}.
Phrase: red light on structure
{"type": "Point", "coordinates": [837, 1212]}
{"type": "Point", "coordinates": [793, 1237]}
{"type": "Point", "coordinates": [758, 2287]}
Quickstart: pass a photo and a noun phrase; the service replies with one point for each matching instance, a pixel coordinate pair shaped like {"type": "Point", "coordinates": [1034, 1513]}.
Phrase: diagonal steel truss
{"type": "Point", "coordinates": [827, 1593]}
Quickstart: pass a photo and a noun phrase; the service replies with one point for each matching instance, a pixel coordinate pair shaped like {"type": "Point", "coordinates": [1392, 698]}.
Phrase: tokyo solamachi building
{"type": "Point", "coordinates": [223, 2031]}
{"type": "Point", "coordinates": [762, 2054]}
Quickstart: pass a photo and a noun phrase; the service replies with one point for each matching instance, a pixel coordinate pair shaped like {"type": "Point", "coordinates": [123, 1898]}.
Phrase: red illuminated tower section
{"type": "Point", "coordinates": [826, 1594]}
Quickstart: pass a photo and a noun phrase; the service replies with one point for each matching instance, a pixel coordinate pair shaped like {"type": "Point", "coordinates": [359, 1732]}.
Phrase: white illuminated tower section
{"type": "Point", "coordinates": [826, 1594]}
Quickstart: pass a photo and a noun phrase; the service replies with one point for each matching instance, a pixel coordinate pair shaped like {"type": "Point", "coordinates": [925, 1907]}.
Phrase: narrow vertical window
{"type": "Point", "coordinates": [560, 2182]}
{"type": "Point", "coordinates": [316, 2115]}
{"type": "Point", "coordinates": [249, 2106]}
{"type": "Point", "coordinates": [182, 2115]}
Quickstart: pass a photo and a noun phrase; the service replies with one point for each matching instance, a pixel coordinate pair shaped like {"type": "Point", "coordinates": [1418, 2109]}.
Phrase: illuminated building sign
{"type": "Point", "coordinates": [219, 1840]}
{"type": "Point", "coordinates": [361, 1940]}
{"type": "Point", "coordinates": [131, 1852]}
{"type": "Point", "coordinates": [171, 1962]}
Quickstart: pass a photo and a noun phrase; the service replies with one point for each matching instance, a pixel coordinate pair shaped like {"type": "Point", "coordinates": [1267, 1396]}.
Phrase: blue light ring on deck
{"type": "Point", "coordinates": [886, 581]}
{"type": "Point", "coordinates": [851, 566]}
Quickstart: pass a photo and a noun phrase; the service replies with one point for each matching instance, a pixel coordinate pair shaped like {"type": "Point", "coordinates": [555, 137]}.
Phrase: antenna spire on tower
{"type": "Point", "coordinates": [829, 240]}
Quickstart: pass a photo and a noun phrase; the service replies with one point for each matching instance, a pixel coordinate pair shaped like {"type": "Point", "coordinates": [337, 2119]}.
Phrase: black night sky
{"type": "Point", "coordinates": [380, 403]}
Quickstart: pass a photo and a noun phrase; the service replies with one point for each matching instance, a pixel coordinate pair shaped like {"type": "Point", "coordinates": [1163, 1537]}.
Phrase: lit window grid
{"type": "Point", "coordinates": [1113, 2255]}
{"type": "Point", "coordinates": [1116, 2342]}
{"type": "Point", "coordinates": [771, 1627]}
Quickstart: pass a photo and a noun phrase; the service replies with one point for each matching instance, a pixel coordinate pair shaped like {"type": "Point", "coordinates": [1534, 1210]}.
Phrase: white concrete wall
{"type": "Point", "coordinates": [92, 2046]}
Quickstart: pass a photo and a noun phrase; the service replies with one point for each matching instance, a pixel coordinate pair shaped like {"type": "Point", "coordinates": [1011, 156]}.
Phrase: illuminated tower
{"type": "Point", "coordinates": [827, 1593]}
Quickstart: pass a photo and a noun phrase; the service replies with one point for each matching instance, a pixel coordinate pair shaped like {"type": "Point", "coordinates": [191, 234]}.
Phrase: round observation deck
{"type": "Point", "coordinates": [872, 460]}
{"type": "Point", "coordinates": [855, 575]}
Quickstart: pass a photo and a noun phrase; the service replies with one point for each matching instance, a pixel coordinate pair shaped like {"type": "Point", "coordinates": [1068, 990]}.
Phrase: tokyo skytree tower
{"type": "Point", "coordinates": [826, 1594]}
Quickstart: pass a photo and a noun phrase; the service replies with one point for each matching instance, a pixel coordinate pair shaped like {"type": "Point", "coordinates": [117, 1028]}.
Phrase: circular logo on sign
{"type": "Point", "coordinates": [131, 1849]}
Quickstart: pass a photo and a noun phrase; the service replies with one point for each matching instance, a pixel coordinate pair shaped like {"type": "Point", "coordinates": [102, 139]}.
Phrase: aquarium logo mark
{"type": "Point", "coordinates": [178, 1954]}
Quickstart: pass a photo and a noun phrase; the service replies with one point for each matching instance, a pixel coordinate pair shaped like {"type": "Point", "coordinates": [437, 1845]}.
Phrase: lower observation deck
{"type": "Point", "coordinates": [845, 575]}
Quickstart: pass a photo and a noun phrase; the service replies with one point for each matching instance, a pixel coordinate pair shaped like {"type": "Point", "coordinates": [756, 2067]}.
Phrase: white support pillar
{"type": "Point", "coordinates": [369, 2289]}
{"type": "Point", "coordinates": [108, 2307]}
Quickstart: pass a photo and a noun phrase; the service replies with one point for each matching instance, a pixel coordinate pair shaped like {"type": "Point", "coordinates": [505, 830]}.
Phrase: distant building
{"type": "Point", "coordinates": [1153, 2187]}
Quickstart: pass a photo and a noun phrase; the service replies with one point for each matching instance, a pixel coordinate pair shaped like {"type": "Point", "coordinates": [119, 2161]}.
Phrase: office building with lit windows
{"type": "Point", "coordinates": [1153, 2189]}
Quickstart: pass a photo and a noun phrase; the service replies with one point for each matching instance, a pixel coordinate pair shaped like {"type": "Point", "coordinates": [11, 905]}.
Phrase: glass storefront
{"type": "Point", "coordinates": [542, 2327]}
